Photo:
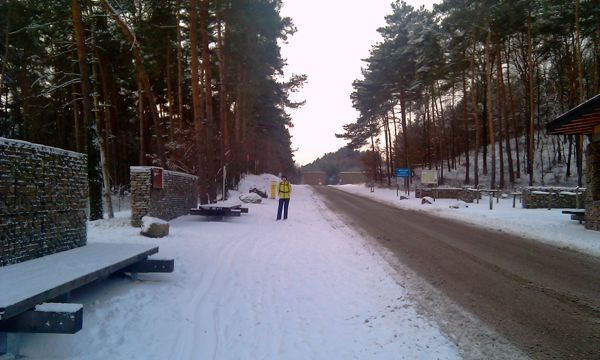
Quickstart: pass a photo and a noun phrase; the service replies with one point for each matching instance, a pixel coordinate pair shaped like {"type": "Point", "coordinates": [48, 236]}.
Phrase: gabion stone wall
{"type": "Point", "coordinates": [43, 200]}
{"type": "Point", "coordinates": [553, 197]}
{"type": "Point", "coordinates": [178, 195]}
{"type": "Point", "coordinates": [592, 201]}
{"type": "Point", "coordinates": [465, 195]}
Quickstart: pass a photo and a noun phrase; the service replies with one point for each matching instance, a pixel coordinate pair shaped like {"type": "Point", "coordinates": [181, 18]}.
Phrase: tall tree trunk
{"type": "Point", "coordinates": [111, 140]}
{"type": "Point", "coordinates": [238, 126]}
{"type": "Point", "coordinates": [197, 102]}
{"type": "Point", "coordinates": [179, 123]}
{"type": "Point", "coordinates": [145, 79]}
{"type": "Point", "coordinates": [569, 156]}
{"type": "Point", "coordinates": [597, 49]}
{"type": "Point", "coordinates": [404, 127]}
{"type": "Point", "coordinates": [579, 140]}
{"type": "Point", "coordinates": [475, 119]}
{"type": "Point", "coordinates": [102, 143]}
{"type": "Point", "coordinates": [208, 97]}
{"type": "Point", "coordinates": [452, 154]}
{"type": "Point", "coordinates": [223, 113]}
{"type": "Point", "coordinates": [388, 159]}
{"type": "Point", "coordinates": [391, 144]}
{"type": "Point", "coordinates": [513, 117]}
{"type": "Point", "coordinates": [531, 102]}
{"type": "Point", "coordinates": [375, 160]}
{"type": "Point", "coordinates": [170, 97]}
{"type": "Point", "coordinates": [502, 114]}
{"type": "Point", "coordinates": [466, 126]}
{"type": "Point", "coordinates": [103, 69]}
{"type": "Point", "coordinates": [490, 116]}
{"type": "Point", "coordinates": [77, 123]}
{"type": "Point", "coordinates": [579, 158]}
{"type": "Point", "coordinates": [427, 127]}
{"type": "Point", "coordinates": [578, 55]}
{"type": "Point", "coordinates": [442, 132]}
{"type": "Point", "coordinates": [394, 121]}
{"type": "Point", "coordinates": [439, 131]}
{"type": "Point", "coordinates": [93, 161]}
{"type": "Point", "coordinates": [141, 115]}
{"type": "Point", "coordinates": [6, 50]}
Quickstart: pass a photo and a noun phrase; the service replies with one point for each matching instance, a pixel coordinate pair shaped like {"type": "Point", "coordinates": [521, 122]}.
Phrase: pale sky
{"type": "Point", "coordinates": [333, 36]}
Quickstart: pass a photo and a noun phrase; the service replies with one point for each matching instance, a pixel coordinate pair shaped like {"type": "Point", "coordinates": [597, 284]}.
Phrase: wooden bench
{"type": "Point", "coordinates": [578, 215]}
{"type": "Point", "coordinates": [31, 289]}
{"type": "Point", "coordinates": [214, 210]}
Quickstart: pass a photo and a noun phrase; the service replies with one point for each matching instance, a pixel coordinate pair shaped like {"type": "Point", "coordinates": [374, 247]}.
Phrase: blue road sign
{"type": "Point", "coordinates": [402, 172]}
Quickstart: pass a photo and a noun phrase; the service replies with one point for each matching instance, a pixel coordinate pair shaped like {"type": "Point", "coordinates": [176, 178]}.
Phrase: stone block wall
{"type": "Point", "coordinates": [314, 178]}
{"type": "Point", "coordinates": [466, 195]}
{"type": "Point", "coordinates": [43, 200]}
{"type": "Point", "coordinates": [348, 177]}
{"type": "Point", "coordinates": [178, 195]}
{"type": "Point", "coordinates": [554, 197]}
{"type": "Point", "coordinates": [592, 200]}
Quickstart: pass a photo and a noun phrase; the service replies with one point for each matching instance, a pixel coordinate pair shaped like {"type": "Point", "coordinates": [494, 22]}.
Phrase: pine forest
{"type": "Point", "coordinates": [472, 83]}
{"type": "Point", "coordinates": [187, 85]}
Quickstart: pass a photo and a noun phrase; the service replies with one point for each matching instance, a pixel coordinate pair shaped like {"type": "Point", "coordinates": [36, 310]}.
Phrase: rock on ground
{"type": "Point", "coordinates": [427, 200]}
{"type": "Point", "coordinates": [154, 227]}
{"type": "Point", "coordinates": [251, 198]}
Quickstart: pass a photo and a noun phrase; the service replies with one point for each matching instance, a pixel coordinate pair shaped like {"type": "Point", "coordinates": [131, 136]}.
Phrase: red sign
{"type": "Point", "coordinates": [157, 178]}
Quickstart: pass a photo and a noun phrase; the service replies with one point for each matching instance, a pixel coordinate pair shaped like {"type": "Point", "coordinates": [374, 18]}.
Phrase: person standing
{"type": "Point", "coordinates": [284, 189]}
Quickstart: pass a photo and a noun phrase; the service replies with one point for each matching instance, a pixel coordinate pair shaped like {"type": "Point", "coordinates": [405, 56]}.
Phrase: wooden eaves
{"type": "Point", "coordinates": [580, 120]}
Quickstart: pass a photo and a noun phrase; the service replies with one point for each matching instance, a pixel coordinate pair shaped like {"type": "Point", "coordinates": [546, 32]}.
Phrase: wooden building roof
{"type": "Point", "coordinates": [580, 120]}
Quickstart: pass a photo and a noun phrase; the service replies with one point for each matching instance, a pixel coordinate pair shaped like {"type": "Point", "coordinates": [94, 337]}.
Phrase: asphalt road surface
{"type": "Point", "coordinates": [544, 300]}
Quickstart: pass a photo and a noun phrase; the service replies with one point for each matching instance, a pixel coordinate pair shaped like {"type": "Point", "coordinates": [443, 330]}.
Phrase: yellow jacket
{"type": "Point", "coordinates": [284, 190]}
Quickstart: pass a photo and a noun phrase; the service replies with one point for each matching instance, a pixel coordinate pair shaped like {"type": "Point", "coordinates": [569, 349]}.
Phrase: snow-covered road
{"type": "Point", "coordinates": [250, 288]}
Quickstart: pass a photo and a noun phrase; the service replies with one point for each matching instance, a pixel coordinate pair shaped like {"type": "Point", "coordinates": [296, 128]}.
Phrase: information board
{"type": "Point", "coordinates": [429, 177]}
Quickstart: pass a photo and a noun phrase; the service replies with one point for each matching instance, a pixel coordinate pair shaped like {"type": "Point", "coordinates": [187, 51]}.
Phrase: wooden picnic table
{"type": "Point", "coordinates": [578, 214]}
{"type": "Point", "coordinates": [216, 210]}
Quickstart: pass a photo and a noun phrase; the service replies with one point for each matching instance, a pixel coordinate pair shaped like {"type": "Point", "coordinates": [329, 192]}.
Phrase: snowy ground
{"type": "Point", "coordinates": [250, 288]}
{"type": "Point", "coordinates": [253, 288]}
{"type": "Point", "coordinates": [550, 226]}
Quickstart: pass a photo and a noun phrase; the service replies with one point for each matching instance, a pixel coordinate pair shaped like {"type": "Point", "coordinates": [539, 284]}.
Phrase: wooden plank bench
{"type": "Point", "coordinates": [27, 287]}
{"type": "Point", "coordinates": [578, 215]}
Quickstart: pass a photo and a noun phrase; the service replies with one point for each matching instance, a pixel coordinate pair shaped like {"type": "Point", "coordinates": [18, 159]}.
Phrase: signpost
{"type": "Point", "coordinates": [403, 173]}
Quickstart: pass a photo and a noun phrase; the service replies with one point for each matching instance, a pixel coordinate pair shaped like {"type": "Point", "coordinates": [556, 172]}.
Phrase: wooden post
{"type": "Point", "coordinates": [491, 200]}
{"type": "Point", "coordinates": [3, 343]}
{"type": "Point", "coordinates": [9, 344]}
{"type": "Point", "coordinates": [224, 195]}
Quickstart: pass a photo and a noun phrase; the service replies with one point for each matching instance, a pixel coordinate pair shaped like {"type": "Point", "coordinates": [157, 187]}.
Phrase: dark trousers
{"type": "Point", "coordinates": [283, 204]}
